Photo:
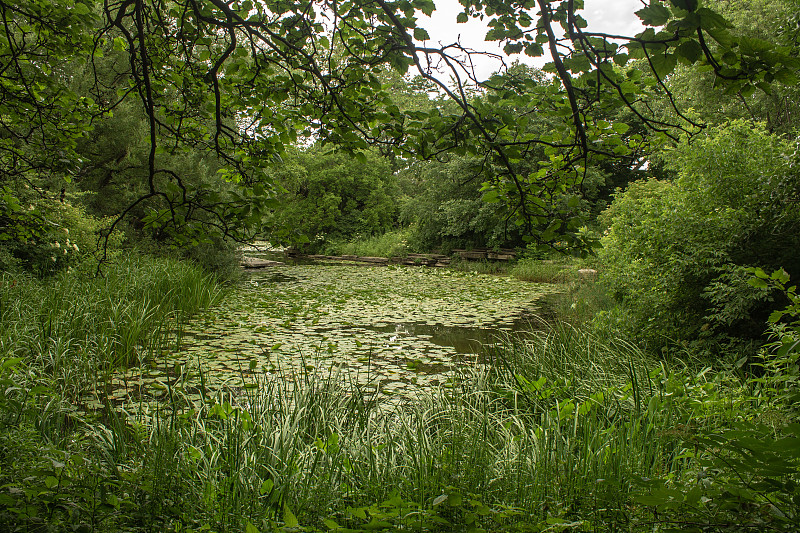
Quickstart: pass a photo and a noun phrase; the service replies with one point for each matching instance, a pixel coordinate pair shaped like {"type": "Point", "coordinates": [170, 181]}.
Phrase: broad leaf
{"type": "Point", "coordinates": [654, 15]}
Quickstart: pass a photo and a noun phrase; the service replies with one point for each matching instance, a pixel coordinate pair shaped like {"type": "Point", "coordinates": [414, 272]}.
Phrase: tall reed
{"type": "Point", "coordinates": [556, 429]}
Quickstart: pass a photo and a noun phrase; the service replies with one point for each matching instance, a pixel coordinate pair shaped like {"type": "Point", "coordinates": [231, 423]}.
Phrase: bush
{"type": "Point", "coordinates": [747, 470]}
{"type": "Point", "coordinates": [675, 252]}
{"type": "Point", "coordinates": [45, 236]}
{"type": "Point", "coordinates": [218, 256]}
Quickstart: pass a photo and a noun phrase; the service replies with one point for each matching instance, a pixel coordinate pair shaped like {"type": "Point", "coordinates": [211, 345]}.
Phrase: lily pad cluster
{"type": "Point", "coordinates": [386, 330]}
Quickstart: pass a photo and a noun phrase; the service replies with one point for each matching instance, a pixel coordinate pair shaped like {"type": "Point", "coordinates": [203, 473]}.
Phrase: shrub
{"type": "Point", "coordinates": [747, 470]}
{"type": "Point", "coordinates": [46, 236]}
{"type": "Point", "coordinates": [675, 252]}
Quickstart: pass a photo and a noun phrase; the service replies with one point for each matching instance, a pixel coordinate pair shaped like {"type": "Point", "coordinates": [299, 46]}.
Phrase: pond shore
{"type": "Point", "coordinates": [430, 260]}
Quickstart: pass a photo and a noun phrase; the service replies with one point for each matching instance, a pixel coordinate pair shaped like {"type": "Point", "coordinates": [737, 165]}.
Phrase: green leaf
{"type": "Point", "coordinates": [289, 519]}
{"type": "Point", "coordinates": [787, 77]}
{"type": "Point", "coordinates": [780, 275]}
{"type": "Point", "coordinates": [620, 127]}
{"type": "Point", "coordinates": [11, 362]}
{"type": "Point", "coordinates": [375, 525]}
{"type": "Point", "coordinates": [654, 15]}
{"type": "Point", "coordinates": [711, 19]}
{"type": "Point", "coordinates": [513, 48]}
{"type": "Point", "coordinates": [663, 64]}
{"type": "Point", "coordinates": [420, 34]}
{"type": "Point", "coordinates": [358, 512]}
{"type": "Point", "coordinates": [250, 528]}
{"type": "Point", "coordinates": [578, 63]}
{"type": "Point", "coordinates": [534, 50]}
{"type": "Point", "coordinates": [426, 6]}
{"type": "Point", "coordinates": [775, 316]}
{"type": "Point", "coordinates": [788, 348]}
{"type": "Point", "coordinates": [747, 90]}
{"type": "Point", "coordinates": [462, 18]}
{"type": "Point", "coordinates": [691, 51]}
{"type": "Point", "coordinates": [549, 233]}
{"type": "Point", "coordinates": [119, 44]}
{"type": "Point", "coordinates": [491, 196]}
{"type": "Point", "coordinates": [686, 5]}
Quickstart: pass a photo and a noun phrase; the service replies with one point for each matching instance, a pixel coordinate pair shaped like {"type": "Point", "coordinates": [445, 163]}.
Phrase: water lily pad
{"type": "Point", "coordinates": [392, 328]}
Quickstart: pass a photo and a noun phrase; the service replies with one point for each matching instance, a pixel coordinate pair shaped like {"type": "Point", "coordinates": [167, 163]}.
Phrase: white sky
{"type": "Point", "coordinates": [608, 16]}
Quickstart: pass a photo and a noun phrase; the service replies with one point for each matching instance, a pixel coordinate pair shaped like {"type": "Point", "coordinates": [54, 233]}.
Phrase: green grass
{"type": "Point", "coordinates": [485, 452]}
{"type": "Point", "coordinates": [69, 333]}
{"type": "Point", "coordinates": [559, 431]}
{"type": "Point", "coordinates": [545, 271]}
{"type": "Point", "coordinates": [107, 319]}
{"type": "Point", "coordinates": [390, 244]}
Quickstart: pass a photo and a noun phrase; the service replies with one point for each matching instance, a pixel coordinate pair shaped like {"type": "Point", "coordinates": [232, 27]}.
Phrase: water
{"type": "Point", "coordinates": [392, 329]}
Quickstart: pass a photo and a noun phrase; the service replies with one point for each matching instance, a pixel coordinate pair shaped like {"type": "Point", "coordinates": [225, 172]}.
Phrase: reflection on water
{"type": "Point", "coordinates": [278, 277]}
{"type": "Point", "coordinates": [389, 330]}
{"type": "Point", "coordinates": [464, 340]}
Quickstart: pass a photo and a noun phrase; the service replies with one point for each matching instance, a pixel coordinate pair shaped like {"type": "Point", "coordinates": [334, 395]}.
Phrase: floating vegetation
{"type": "Point", "coordinates": [388, 330]}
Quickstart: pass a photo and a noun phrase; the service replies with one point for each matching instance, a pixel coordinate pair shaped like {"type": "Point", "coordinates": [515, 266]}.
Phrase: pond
{"type": "Point", "coordinates": [386, 329]}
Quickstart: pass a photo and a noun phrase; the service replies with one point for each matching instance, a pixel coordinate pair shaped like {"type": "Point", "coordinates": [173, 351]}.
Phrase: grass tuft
{"type": "Point", "coordinates": [563, 427]}
{"type": "Point", "coordinates": [545, 271]}
{"type": "Point", "coordinates": [390, 244]}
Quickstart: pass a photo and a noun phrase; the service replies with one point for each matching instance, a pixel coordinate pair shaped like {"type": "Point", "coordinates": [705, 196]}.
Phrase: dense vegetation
{"type": "Point", "coordinates": [141, 142]}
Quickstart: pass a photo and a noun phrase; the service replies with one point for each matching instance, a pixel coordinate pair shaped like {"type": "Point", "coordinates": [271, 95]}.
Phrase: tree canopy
{"type": "Point", "coordinates": [241, 80]}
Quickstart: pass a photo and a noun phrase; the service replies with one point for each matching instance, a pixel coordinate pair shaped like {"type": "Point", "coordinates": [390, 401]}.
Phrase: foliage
{"type": "Point", "coordinates": [52, 237]}
{"type": "Point", "coordinates": [754, 22]}
{"type": "Point", "coordinates": [781, 379]}
{"type": "Point", "coordinates": [302, 452]}
{"type": "Point", "coordinates": [193, 80]}
{"type": "Point", "coordinates": [75, 327]}
{"type": "Point", "coordinates": [61, 338]}
{"type": "Point", "coordinates": [748, 471]}
{"type": "Point", "coordinates": [675, 252]}
{"type": "Point", "coordinates": [390, 244]}
{"type": "Point", "coordinates": [562, 430]}
{"type": "Point", "coordinates": [332, 195]}
{"type": "Point", "coordinates": [443, 208]}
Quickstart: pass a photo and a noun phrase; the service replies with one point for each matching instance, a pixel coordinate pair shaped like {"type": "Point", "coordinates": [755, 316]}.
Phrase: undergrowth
{"type": "Point", "coordinates": [563, 431]}
{"type": "Point", "coordinates": [389, 244]}
{"type": "Point", "coordinates": [546, 271]}
{"type": "Point", "coordinates": [478, 267]}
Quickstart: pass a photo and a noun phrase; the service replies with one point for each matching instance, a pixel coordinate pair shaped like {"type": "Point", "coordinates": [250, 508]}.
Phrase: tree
{"type": "Point", "coordinates": [244, 79]}
{"type": "Point", "coordinates": [756, 23]}
{"type": "Point", "coordinates": [443, 207]}
{"type": "Point", "coordinates": [328, 195]}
